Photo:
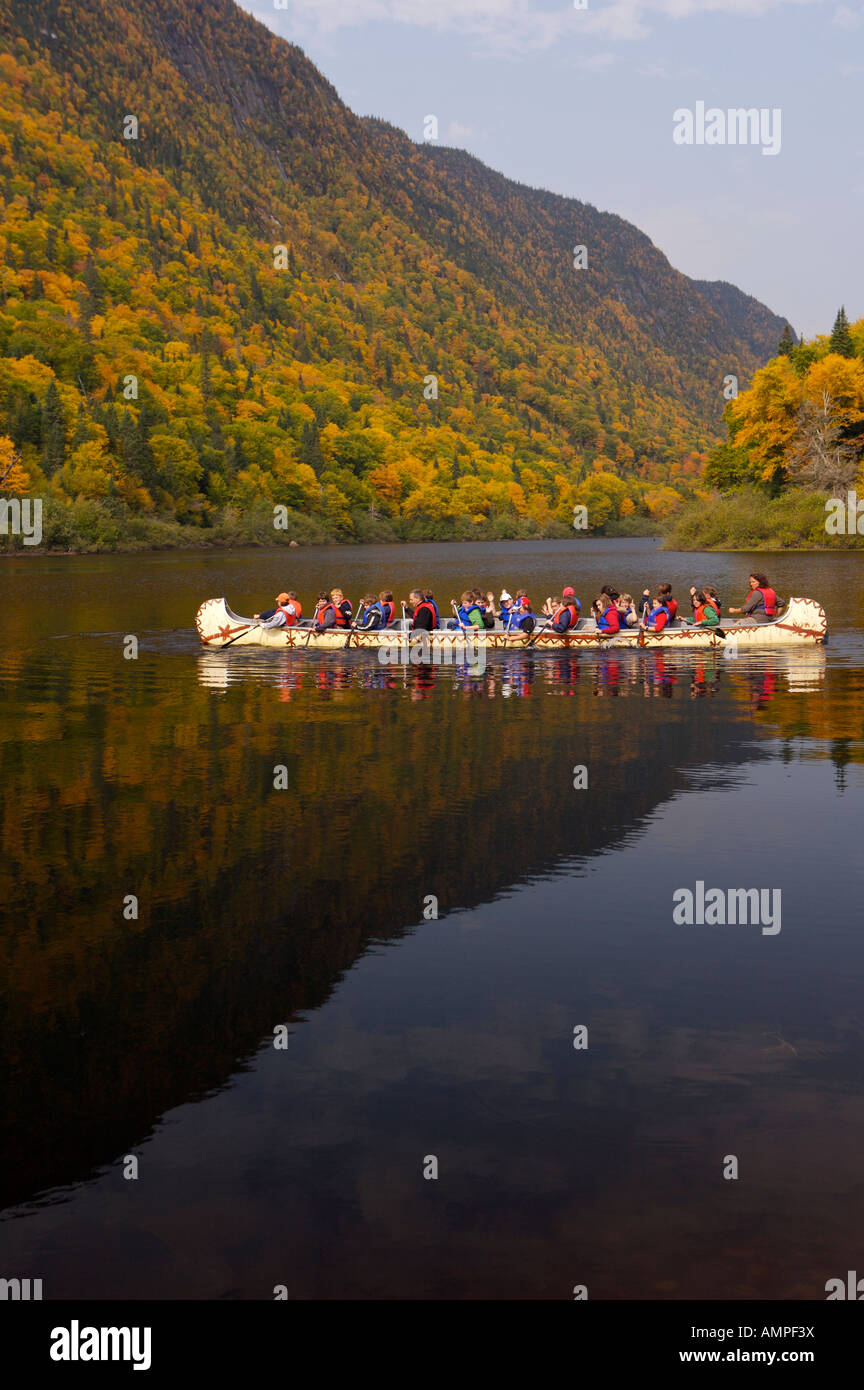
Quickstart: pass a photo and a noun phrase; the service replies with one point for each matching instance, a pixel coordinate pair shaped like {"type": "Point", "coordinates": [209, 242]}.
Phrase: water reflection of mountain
{"type": "Point", "coordinates": [254, 902]}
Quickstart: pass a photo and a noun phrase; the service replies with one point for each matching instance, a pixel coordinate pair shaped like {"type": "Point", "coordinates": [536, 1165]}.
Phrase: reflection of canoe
{"type": "Point", "coordinates": [801, 624]}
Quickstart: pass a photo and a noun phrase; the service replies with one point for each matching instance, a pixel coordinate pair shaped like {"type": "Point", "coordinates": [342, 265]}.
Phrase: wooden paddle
{"type": "Point", "coordinates": [353, 626]}
{"type": "Point", "coordinates": [239, 634]}
{"type": "Point", "coordinates": [463, 626]}
{"type": "Point", "coordinates": [541, 628]}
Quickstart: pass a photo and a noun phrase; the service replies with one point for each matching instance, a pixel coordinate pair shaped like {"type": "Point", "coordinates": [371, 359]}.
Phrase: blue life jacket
{"type": "Point", "coordinates": [514, 618]}
{"type": "Point", "coordinates": [435, 610]}
{"type": "Point", "coordinates": [465, 613]}
{"type": "Point", "coordinates": [378, 608]}
{"type": "Point", "coordinates": [651, 619]}
{"type": "Point", "coordinates": [604, 624]}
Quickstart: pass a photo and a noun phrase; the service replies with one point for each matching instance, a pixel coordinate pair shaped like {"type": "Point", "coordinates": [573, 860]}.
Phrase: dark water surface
{"type": "Point", "coordinates": [407, 1037]}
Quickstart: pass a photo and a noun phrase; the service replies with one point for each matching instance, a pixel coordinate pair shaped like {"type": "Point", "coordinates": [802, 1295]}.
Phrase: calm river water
{"type": "Point", "coordinates": [297, 915]}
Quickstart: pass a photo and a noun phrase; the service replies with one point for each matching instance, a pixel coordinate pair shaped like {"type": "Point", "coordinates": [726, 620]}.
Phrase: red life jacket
{"type": "Point", "coordinates": [714, 604]}
{"type": "Point", "coordinates": [388, 610]}
{"type": "Point", "coordinates": [567, 608]}
{"type": "Point", "coordinates": [610, 621]}
{"type": "Point", "coordinates": [769, 598]}
{"type": "Point", "coordinates": [672, 605]}
{"type": "Point", "coordinates": [429, 609]}
{"type": "Point", "coordinates": [339, 617]}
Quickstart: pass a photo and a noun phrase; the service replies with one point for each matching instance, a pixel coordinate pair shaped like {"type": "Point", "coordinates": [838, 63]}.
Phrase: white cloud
{"type": "Point", "coordinates": [597, 62]}
{"type": "Point", "coordinates": [516, 25]}
{"type": "Point", "coordinates": [845, 18]}
{"type": "Point", "coordinates": [457, 134]}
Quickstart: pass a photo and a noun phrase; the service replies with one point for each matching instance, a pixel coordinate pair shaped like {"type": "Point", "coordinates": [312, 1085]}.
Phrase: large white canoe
{"type": "Point", "coordinates": [802, 623]}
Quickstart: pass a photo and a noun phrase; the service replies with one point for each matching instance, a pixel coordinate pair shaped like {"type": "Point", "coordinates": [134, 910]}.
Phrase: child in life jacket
{"type": "Point", "coordinates": [388, 607]}
{"type": "Point", "coordinates": [429, 597]}
{"type": "Point", "coordinates": [627, 615]}
{"type": "Point", "coordinates": [371, 616]}
{"type": "Point", "coordinates": [705, 613]}
{"type": "Point", "coordinates": [486, 605]}
{"type": "Point", "coordinates": [658, 617]}
{"type": "Point", "coordinates": [335, 611]}
{"type": "Point", "coordinates": [287, 612]}
{"type": "Point", "coordinates": [564, 611]}
{"type": "Point", "coordinates": [509, 606]}
{"type": "Point", "coordinates": [606, 616]}
{"type": "Point", "coordinates": [468, 613]}
{"type": "Point", "coordinates": [516, 614]}
{"type": "Point", "coordinates": [321, 602]}
{"type": "Point", "coordinates": [665, 592]}
{"type": "Point", "coordinates": [526, 620]}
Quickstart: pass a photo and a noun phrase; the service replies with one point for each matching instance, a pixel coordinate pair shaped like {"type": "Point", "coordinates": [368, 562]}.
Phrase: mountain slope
{"type": "Point", "coordinates": [309, 381]}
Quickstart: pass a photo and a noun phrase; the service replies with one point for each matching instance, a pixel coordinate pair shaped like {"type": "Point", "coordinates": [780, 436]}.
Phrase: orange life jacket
{"type": "Point", "coordinates": [290, 618]}
{"type": "Point", "coordinates": [338, 616]}
{"type": "Point", "coordinates": [567, 608]}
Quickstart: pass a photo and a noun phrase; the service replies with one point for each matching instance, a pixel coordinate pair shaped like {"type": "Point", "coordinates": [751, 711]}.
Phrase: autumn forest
{"type": "Point", "coordinates": [231, 311]}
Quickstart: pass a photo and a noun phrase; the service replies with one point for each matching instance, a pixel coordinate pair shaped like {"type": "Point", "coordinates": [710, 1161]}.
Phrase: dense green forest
{"type": "Point", "coordinates": [222, 294]}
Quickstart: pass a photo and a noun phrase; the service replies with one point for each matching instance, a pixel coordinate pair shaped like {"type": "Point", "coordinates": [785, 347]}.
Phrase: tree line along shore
{"type": "Point", "coordinates": [795, 441]}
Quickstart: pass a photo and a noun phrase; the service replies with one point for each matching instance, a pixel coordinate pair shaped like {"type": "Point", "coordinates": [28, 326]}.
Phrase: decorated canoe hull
{"type": "Point", "coordinates": [802, 623]}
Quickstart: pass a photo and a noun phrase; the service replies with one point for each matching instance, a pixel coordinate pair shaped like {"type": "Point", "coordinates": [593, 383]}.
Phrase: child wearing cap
{"type": "Point", "coordinates": [286, 613]}
{"type": "Point", "coordinates": [506, 602]}
{"type": "Point", "coordinates": [568, 599]}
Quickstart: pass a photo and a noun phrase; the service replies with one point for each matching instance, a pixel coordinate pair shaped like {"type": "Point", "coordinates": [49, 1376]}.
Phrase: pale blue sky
{"type": "Point", "coordinates": [581, 102]}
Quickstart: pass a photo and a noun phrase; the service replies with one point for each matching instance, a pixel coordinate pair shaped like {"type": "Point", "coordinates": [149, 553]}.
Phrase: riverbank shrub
{"type": "Point", "coordinates": [748, 519]}
{"type": "Point", "coordinates": [95, 525]}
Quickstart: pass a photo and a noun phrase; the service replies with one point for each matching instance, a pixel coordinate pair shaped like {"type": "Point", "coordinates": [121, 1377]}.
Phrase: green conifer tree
{"type": "Point", "coordinates": [53, 431]}
{"type": "Point", "coordinates": [841, 338]}
{"type": "Point", "coordinates": [787, 342]}
{"type": "Point", "coordinates": [310, 446]}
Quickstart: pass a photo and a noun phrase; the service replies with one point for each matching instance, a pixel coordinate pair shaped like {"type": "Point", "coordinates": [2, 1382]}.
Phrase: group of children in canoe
{"type": "Point", "coordinates": [612, 611]}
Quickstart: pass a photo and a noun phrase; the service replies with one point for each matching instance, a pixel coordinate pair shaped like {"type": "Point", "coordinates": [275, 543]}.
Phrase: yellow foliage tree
{"type": "Point", "coordinates": [764, 417]}
{"type": "Point", "coordinates": [841, 379]}
{"type": "Point", "coordinates": [88, 472]}
{"type": "Point", "coordinates": [13, 478]}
